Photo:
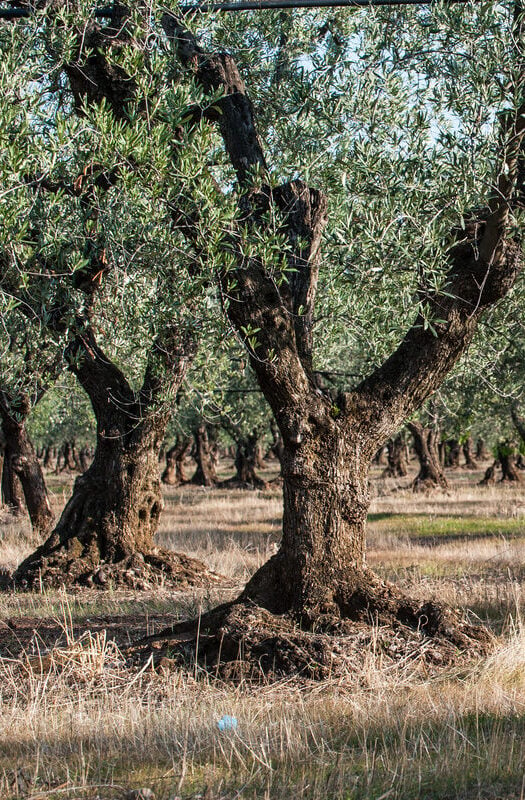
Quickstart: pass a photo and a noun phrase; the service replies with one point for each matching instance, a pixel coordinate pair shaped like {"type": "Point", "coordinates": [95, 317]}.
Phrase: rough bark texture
{"type": "Point", "coordinates": [507, 460]}
{"type": "Point", "coordinates": [205, 474]}
{"type": "Point", "coordinates": [174, 474]}
{"type": "Point", "coordinates": [105, 534]}
{"type": "Point", "coordinates": [489, 477]}
{"type": "Point", "coordinates": [21, 467]}
{"type": "Point", "coordinates": [453, 454]}
{"type": "Point", "coordinates": [468, 453]}
{"type": "Point", "coordinates": [246, 461]}
{"type": "Point", "coordinates": [12, 493]}
{"type": "Point", "coordinates": [396, 455]}
{"type": "Point", "coordinates": [430, 474]}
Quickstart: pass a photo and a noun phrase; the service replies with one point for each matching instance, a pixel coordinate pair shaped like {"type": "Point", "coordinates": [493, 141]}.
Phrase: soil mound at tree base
{"type": "Point", "coordinates": [139, 571]}
{"type": "Point", "coordinates": [241, 641]}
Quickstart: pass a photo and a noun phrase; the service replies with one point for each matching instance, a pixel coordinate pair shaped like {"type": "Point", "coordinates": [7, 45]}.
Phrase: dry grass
{"type": "Point", "coordinates": [76, 722]}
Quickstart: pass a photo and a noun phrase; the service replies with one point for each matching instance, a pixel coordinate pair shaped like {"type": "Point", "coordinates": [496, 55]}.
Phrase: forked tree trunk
{"type": "Point", "coordinates": [206, 473]}
{"type": "Point", "coordinates": [105, 534]}
{"type": "Point", "coordinates": [430, 474]}
{"type": "Point", "coordinates": [319, 573]}
{"type": "Point", "coordinates": [397, 460]}
{"type": "Point", "coordinates": [174, 474]}
{"type": "Point", "coordinates": [468, 453]}
{"type": "Point", "coordinates": [22, 469]}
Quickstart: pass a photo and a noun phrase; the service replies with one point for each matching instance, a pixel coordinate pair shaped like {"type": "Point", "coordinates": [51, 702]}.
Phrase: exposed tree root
{"type": "Point", "coordinates": [241, 640]}
{"type": "Point", "coordinates": [138, 571]}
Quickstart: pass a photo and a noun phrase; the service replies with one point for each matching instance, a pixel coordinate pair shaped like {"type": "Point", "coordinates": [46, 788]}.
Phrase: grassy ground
{"type": "Point", "coordinates": [79, 723]}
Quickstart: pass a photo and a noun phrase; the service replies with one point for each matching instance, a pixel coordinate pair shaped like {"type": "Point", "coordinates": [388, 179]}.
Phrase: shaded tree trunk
{"type": "Point", "coordinates": [50, 455]}
{"type": "Point", "coordinates": [12, 493]}
{"type": "Point", "coordinates": [277, 446]}
{"type": "Point", "coordinates": [507, 459]}
{"type": "Point", "coordinates": [453, 453]}
{"type": "Point", "coordinates": [206, 473]}
{"type": "Point", "coordinates": [397, 459]}
{"type": "Point", "coordinates": [21, 469]}
{"type": "Point", "coordinates": [481, 451]}
{"type": "Point", "coordinates": [489, 478]}
{"type": "Point", "coordinates": [468, 453]}
{"type": "Point", "coordinates": [430, 474]}
{"type": "Point", "coordinates": [246, 461]}
{"type": "Point", "coordinates": [174, 474]}
{"type": "Point", "coordinates": [84, 459]}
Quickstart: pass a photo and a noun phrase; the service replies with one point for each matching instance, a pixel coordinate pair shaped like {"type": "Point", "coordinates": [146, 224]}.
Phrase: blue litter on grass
{"type": "Point", "coordinates": [227, 723]}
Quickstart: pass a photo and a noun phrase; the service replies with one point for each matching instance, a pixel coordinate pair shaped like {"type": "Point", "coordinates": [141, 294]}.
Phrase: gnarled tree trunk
{"type": "Point", "coordinates": [468, 453]}
{"type": "Point", "coordinates": [453, 453]}
{"type": "Point", "coordinates": [206, 473]}
{"type": "Point", "coordinates": [507, 459]}
{"type": "Point", "coordinates": [174, 474]}
{"type": "Point", "coordinates": [489, 478]}
{"type": "Point", "coordinates": [21, 468]}
{"type": "Point", "coordinates": [430, 474]}
{"type": "Point", "coordinates": [12, 493]}
{"type": "Point", "coordinates": [481, 451]}
{"type": "Point", "coordinates": [105, 534]}
{"type": "Point", "coordinates": [396, 455]}
{"type": "Point", "coordinates": [247, 453]}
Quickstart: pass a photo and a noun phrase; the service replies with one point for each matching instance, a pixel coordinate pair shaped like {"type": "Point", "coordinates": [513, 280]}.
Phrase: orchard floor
{"type": "Point", "coordinates": [76, 722]}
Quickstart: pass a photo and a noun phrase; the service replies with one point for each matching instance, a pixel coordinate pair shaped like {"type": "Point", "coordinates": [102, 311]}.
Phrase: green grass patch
{"type": "Point", "coordinates": [424, 525]}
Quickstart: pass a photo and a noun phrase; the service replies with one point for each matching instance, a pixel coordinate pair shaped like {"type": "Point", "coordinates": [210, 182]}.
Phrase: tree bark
{"type": "Point", "coordinates": [247, 453]}
{"type": "Point", "coordinates": [481, 451]}
{"type": "Point", "coordinates": [396, 455]}
{"type": "Point", "coordinates": [453, 453]}
{"type": "Point", "coordinates": [506, 458]}
{"type": "Point", "coordinates": [105, 534]}
{"type": "Point", "coordinates": [489, 478]}
{"type": "Point", "coordinates": [22, 468]}
{"type": "Point", "coordinates": [174, 474]}
{"type": "Point", "coordinates": [12, 493]}
{"type": "Point", "coordinates": [468, 453]}
{"type": "Point", "coordinates": [205, 474]}
{"type": "Point", "coordinates": [430, 474]}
